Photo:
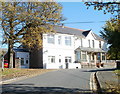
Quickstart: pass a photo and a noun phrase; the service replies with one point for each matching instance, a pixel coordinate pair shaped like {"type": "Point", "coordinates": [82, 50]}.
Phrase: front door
{"type": "Point", "coordinates": [89, 58]}
{"type": "Point", "coordinates": [24, 63]}
{"type": "Point", "coordinates": [67, 61]}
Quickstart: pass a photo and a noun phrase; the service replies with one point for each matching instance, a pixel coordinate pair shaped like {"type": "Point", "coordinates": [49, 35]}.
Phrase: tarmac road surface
{"type": "Point", "coordinates": [64, 81]}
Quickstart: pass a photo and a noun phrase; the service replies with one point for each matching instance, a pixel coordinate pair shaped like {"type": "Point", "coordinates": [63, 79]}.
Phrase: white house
{"type": "Point", "coordinates": [20, 58]}
{"type": "Point", "coordinates": [70, 48]}
{"type": "Point", "coordinates": [67, 48]}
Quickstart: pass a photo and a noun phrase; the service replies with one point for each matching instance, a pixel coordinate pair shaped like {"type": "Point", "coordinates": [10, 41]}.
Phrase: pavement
{"type": "Point", "coordinates": [108, 80]}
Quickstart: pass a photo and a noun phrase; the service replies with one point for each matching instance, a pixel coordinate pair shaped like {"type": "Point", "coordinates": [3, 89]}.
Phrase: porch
{"type": "Point", "coordinates": [90, 57]}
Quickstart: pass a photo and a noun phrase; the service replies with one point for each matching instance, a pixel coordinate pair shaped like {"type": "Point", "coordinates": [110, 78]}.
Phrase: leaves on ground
{"type": "Point", "coordinates": [14, 73]}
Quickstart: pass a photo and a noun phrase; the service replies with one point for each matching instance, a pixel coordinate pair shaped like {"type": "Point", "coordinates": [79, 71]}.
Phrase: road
{"type": "Point", "coordinates": [58, 82]}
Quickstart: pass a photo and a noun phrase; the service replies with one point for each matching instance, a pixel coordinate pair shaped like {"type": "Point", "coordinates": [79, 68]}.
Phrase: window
{"type": "Point", "coordinates": [51, 59]}
{"type": "Point", "coordinates": [98, 56]}
{"type": "Point", "coordinates": [26, 61]}
{"type": "Point", "coordinates": [77, 56]}
{"type": "Point", "coordinates": [89, 42]}
{"type": "Point", "coordinates": [103, 56]}
{"type": "Point", "coordinates": [84, 56]}
{"type": "Point", "coordinates": [89, 56]}
{"type": "Point", "coordinates": [68, 41]}
{"type": "Point", "coordinates": [51, 39]}
{"type": "Point", "coordinates": [93, 44]}
{"type": "Point", "coordinates": [92, 56]}
{"type": "Point", "coordinates": [81, 43]}
{"type": "Point", "coordinates": [68, 59]}
{"type": "Point", "coordinates": [99, 44]}
{"type": "Point", "coordinates": [59, 40]}
{"type": "Point", "coordinates": [22, 61]}
{"type": "Point", "coordinates": [59, 60]}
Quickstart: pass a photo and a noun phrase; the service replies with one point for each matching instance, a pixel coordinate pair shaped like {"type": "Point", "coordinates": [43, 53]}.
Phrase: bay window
{"type": "Point", "coordinates": [84, 58]}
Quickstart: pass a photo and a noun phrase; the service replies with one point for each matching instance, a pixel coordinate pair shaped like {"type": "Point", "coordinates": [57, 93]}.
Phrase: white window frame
{"type": "Point", "coordinates": [93, 43]}
{"type": "Point", "coordinates": [81, 43]}
{"type": "Point", "coordinates": [89, 43]}
{"type": "Point", "coordinates": [103, 56]}
{"type": "Point", "coordinates": [68, 41]}
{"type": "Point", "coordinates": [59, 40]}
{"type": "Point", "coordinates": [77, 56]}
{"type": "Point", "coordinates": [69, 59]}
{"type": "Point", "coordinates": [51, 39]}
{"type": "Point", "coordinates": [51, 59]}
{"type": "Point", "coordinates": [22, 61]}
{"type": "Point", "coordinates": [100, 46]}
{"type": "Point", "coordinates": [84, 53]}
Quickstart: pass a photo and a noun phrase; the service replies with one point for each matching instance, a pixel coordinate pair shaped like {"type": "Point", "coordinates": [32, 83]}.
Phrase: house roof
{"type": "Point", "coordinates": [73, 31]}
{"type": "Point", "coordinates": [68, 30]}
{"type": "Point", "coordinates": [90, 49]}
{"type": "Point", "coordinates": [85, 33]}
{"type": "Point", "coordinates": [20, 50]}
{"type": "Point", "coordinates": [98, 38]}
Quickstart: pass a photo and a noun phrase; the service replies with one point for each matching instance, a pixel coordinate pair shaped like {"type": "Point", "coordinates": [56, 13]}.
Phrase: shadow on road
{"type": "Point", "coordinates": [95, 70]}
{"type": "Point", "coordinates": [31, 89]}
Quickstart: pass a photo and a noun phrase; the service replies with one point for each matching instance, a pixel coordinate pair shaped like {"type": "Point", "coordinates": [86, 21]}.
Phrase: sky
{"type": "Point", "coordinates": [78, 12]}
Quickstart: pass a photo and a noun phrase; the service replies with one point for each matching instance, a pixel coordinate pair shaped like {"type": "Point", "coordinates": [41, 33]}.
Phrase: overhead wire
{"type": "Point", "coordinates": [83, 22]}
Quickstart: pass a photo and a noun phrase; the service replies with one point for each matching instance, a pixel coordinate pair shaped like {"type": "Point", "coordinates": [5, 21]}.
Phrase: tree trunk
{"type": "Point", "coordinates": [119, 18]}
{"type": "Point", "coordinates": [116, 55]}
{"type": "Point", "coordinates": [10, 55]}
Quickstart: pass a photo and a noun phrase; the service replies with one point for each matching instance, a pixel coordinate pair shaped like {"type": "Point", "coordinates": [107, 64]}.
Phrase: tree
{"type": "Point", "coordinates": [24, 22]}
{"type": "Point", "coordinates": [111, 34]}
{"type": "Point", "coordinates": [107, 7]}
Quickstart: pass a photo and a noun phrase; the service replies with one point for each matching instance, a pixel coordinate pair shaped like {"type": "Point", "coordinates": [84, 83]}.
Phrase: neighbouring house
{"type": "Point", "coordinates": [69, 48]}
{"type": "Point", "coordinates": [20, 58]}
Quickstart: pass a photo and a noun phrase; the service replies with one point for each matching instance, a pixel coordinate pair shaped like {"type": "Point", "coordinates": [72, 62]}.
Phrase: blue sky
{"type": "Point", "coordinates": [78, 12]}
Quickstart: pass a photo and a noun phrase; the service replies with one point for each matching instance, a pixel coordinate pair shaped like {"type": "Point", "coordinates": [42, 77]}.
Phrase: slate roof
{"type": "Point", "coordinates": [85, 33]}
{"type": "Point", "coordinates": [20, 50]}
{"type": "Point", "coordinates": [67, 30]}
{"type": "Point", "coordinates": [73, 31]}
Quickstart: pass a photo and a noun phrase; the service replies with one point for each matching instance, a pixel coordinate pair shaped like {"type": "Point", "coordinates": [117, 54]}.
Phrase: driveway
{"type": "Point", "coordinates": [58, 82]}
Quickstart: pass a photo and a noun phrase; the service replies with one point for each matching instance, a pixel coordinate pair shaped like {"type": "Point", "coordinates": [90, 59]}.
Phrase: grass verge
{"type": "Point", "coordinates": [117, 72]}
{"type": "Point", "coordinates": [14, 73]}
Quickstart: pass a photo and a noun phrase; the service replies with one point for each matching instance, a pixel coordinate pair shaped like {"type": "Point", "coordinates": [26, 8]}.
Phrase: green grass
{"type": "Point", "coordinates": [9, 71]}
{"type": "Point", "coordinates": [117, 72]}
